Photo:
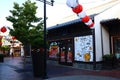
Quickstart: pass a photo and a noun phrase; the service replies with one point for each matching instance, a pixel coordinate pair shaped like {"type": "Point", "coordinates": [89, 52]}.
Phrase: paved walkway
{"type": "Point", "coordinates": [16, 69]}
{"type": "Point", "coordinates": [83, 77]}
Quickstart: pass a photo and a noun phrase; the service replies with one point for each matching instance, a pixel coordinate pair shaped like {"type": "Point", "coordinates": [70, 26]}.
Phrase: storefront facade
{"type": "Point", "coordinates": [87, 46]}
{"type": "Point", "coordinates": [71, 42]}
{"type": "Point", "coordinates": [112, 27]}
{"type": "Point", "coordinates": [77, 45]}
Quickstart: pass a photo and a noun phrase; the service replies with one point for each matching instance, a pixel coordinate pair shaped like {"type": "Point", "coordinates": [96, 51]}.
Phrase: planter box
{"type": "Point", "coordinates": [110, 61]}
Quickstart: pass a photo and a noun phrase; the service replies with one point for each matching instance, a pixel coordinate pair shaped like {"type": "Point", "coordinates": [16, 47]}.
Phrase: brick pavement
{"type": "Point", "coordinates": [68, 71]}
{"type": "Point", "coordinates": [16, 69]}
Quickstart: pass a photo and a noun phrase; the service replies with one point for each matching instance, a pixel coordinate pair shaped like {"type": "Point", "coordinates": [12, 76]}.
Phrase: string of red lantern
{"type": "Point", "coordinates": [13, 37]}
{"type": "Point", "coordinates": [3, 29]}
{"type": "Point", "coordinates": [78, 9]}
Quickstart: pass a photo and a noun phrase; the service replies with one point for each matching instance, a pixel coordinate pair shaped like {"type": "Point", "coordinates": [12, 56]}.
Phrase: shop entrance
{"type": "Point", "coordinates": [66, 52]}
{"type": "Point", "coordinates": [116, 46]}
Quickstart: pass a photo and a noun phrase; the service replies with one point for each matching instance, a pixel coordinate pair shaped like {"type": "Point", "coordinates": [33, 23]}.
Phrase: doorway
{"type": "Point", "coordinates": [66, 52]}
{"type": "Point", "coordinates": [116, 46]}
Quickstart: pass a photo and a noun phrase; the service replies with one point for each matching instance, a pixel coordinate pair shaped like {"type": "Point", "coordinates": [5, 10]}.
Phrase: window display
{"type": "Point", "coordinates": [62, 51]}
{"type": "Point", "coordinates": [66, 52]}
{"type": "Point", "coordinates": [53, 50]}
{"type": "Point", "coordinates": [69, 55]}
{"type": "Point", "coordinates": [62, 54]}
{"type": "Point", "coordinates": [83, 48]}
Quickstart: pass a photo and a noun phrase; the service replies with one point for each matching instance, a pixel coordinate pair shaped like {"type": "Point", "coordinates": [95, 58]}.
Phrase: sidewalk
{"type": "Point", "coordinates": [83, 77]}
{"type": "Point", "coordinates": [16, 69]}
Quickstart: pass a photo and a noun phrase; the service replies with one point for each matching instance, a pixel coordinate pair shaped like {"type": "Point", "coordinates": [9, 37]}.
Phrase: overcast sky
{"type": "Point", "coordinates": [54, 13]}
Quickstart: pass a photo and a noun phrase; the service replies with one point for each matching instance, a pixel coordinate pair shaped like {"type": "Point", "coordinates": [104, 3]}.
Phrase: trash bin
{"type": "Point", "coordinates": [37, 62]}
{"type": "Point", "coordinates": [1, 57]}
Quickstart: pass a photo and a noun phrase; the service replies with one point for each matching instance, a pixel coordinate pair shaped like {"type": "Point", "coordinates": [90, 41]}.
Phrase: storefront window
{"type": "Point", "coordinates": [62, 51]}
{"type": "Point", "coordinates": [53, 50]}
{"type": "Point", "coordinates": [66, 52]}
{"type": "Point", "coordinates": [62, 54]}
{"type": "Point", "coordinates": [117, 47]}
{"type": "Point", "coordinates": [83, 48]}
{"type": "Point", "coordinates": [69, 55]}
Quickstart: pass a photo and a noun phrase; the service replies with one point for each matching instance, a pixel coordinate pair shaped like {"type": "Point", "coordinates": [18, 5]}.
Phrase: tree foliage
{"type": "Point", "coordinates": [27, 27]}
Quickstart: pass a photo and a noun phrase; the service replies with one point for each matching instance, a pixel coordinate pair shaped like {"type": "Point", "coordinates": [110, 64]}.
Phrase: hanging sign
{"type": "Point", "coordinates": [78, 9]}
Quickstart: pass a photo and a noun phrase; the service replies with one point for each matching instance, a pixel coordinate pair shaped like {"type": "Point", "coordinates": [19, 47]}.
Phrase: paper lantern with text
{"type": "Point", "coordinates": [3, 29]}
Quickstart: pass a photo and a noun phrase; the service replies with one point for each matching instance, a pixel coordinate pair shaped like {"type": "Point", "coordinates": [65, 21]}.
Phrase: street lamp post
{"type": "Point", "coordinates": [45, 36]}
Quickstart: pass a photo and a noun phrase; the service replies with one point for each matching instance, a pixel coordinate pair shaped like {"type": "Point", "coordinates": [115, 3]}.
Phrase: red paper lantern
{"type": "Point", "coordinates": [3, 29]}
{"type": "Point", "coordinates": [86, 19]}
{"type": "Point", "coordinates": [1, 37]}
{"type": "Point", "coordinates": [13, 37]}
{"type": "Point", "coordinates": [91, 25]}
{"type": "Point", "coordinates": [77, 9]}
{"type": "Point", "coordinates": [0, 43]}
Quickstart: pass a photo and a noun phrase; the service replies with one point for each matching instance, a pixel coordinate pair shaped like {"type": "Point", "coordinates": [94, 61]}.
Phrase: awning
{"type": "Point", "coordinates": [111, 23]}
{"type": "Point", "coordinates": [65, 24]}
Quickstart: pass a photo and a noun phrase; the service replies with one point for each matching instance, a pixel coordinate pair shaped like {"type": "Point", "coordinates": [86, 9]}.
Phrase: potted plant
{"type": "Point", "coordinates": [5, 48]}
{"type": "Point", "coordinates": [109, 61]}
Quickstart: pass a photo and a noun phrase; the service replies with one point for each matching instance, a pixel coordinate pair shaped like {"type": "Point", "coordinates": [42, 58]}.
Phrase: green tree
{"type": "Point", "coordinates": [27, 27]}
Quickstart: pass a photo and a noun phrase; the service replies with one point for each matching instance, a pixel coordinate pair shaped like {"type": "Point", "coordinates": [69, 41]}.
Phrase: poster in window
{"type": "Point", "coordinates": [53, 50]}
{"type": "Point", "coordinates": [83, 48]}
{"type": "Point", "coordinates": [62, 54]}
{"type": "Point", "coordinates": [69, 55]}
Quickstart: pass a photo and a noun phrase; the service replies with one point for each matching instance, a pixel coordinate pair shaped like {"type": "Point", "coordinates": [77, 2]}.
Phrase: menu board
{"type": "Point", "coordinates": [83, 48]}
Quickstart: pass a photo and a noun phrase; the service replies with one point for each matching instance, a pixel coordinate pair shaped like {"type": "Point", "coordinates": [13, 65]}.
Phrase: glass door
{"type": "Point", "coordinates": [66, 52]}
